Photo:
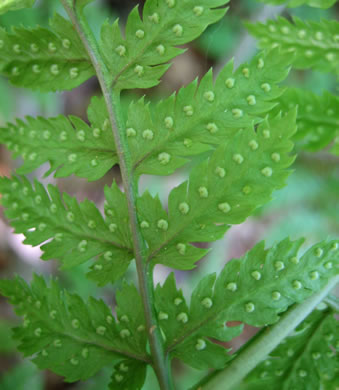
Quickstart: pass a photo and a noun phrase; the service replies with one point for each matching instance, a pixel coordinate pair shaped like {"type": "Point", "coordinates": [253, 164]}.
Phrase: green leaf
{"type": "Point", "coordinates": [80, 4]}
{"type": "Point", "coordinates": [222, 190]}
{"type": "Point", "coordinates": [66, 335]}
{"type": "Point", "coordinates": [297, 3]}
{"type": "Point", "coordinates": [75, 232]}
{"type": "Point", "coordinates": [47, 60]}
{"type": "Point", "coordinates": [130, 314]}
{"type": "Point", "coordinates": [317, 120]}
{"type": "Point", "coordinates": [113, 264]}
{"type": "Point", "coordinates": [136, 58]}
{"type": "Point", "coordinates": [314, 44]}
{"type": "Point", "coordinates": [173, 313]}
{"type": "Point", "coordinates": [253, 290]}
{"type": "Point", "coordinates": [129, 374]}
{"type": "Point", "coordinates": [305, 360]}
{"type": "Point", "coordinates": [202, 117]}
{"type": "Point", "coordinates": [13, 5]}
{"type": "Point", "coordinates": [68, 144]}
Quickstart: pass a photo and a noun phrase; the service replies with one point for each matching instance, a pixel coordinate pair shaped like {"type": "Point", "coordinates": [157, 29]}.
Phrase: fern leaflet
{"type": "Point", "coordinates": [222, 190]}
{"type": "Point", "coordinates": [253, 290]}
{"type": "Point", "coordinates": [298, 3]}
{"type": "Point", "coordinates": [128, 374]}
{"type": "Point", "coordinates": [137, 60]}
{"type": "Point", "coordinates": [161, 137]}
{"type": "Point", "coordinates": [305, 360]}
{"type": "Point", "coordinates": [68, 144]}
{"type": "Point", "coordinates": [75, 232]}
{"type": "Point", "coordinates": [317, 118]}
{"type": "Point", "coordinates": [47, 60]}
{"type": "Point", "coordinates": [73, 338]}
{"type": "Point", "coordinates": [314, 44]}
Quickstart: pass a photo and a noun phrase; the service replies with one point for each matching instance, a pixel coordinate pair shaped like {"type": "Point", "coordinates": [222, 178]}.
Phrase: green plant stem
{"type": "Point", "coordinates": [145, 275]}
{"type": "Point", "coordinates": [333, 302]}
{"type": "Point", "coordinates": [258, 349]}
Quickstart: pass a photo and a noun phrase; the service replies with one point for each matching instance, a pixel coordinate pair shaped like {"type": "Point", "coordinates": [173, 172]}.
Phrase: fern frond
{"type": "Point", "coordinates": [128, 374]}
{"type": "Point", "coordinates": [317, 119]}
{"type": "Point", "coordinates": [47, 60]}
{"type": "Point", "coordinates": [305, 360]}
{"type": "Point", "coordinates": [136, 59]}
{"type": "Point", "coordinates": [223, 190]}
{"type": "Point", "coordinates": [71, 337]}
{"type": "Point", "coordinates": [76, 231]}
{"type": "Point", "coordinates": [253, 290]}
{"type": "Point", "coordinates": [68, 144]}
{"type": "Point", "coordinates": [174, 314]}
{"type": "Point", "coordinates": [12, 5]}
{"type": "Point", "coordinates": [201, 117]}
{"type": "Point", "coordinates": [314, 44]}
{"type": "Point", "coordinates": [297, 3]}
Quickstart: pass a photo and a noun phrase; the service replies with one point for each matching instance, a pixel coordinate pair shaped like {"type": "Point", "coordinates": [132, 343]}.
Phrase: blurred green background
{"type": "Point", "coordinates": [307, 206]}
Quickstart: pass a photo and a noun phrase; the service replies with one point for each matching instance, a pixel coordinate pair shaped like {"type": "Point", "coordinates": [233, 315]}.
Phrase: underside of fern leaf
{"type": "Point", "coordinates": [313, 44]}
{"type": "Point", "coordinates": [47, 60]}
{"type": "Point", "coordinates": [73, 338]}
{"type": "Point", "coordinates": [161, 137]}
{"type": "Point", "coordinates": [200, 117]}
{"type": "Point", "coordinates": [253, 290]}
{"type": "Point", "coordinates": [137, 59]}
{"type": "Point", "coordinates": [307, 359]}
{"type": "Point", "coordinates": [68, 144]}
{"type": "Point", "coordinates": [298, 3]}
{"type": "Point", "coordinates": [317, 119]}
{"type": "Point", "coordinates": [225, 189]}
{"type": "Point", "coordinates": [73, 232]}
{"type": "Point", "coordinates": [240, 127]}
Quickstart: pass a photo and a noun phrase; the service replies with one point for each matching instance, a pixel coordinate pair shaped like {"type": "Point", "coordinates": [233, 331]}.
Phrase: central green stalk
{"type": "Point", "coordinates": [145, 275]}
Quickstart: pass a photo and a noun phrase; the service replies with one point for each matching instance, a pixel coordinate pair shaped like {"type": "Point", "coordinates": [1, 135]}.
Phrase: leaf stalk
{"type": "Point", "coordinates": [258, 349]}
{"type": "Point", "coordinates": [145, 275]}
